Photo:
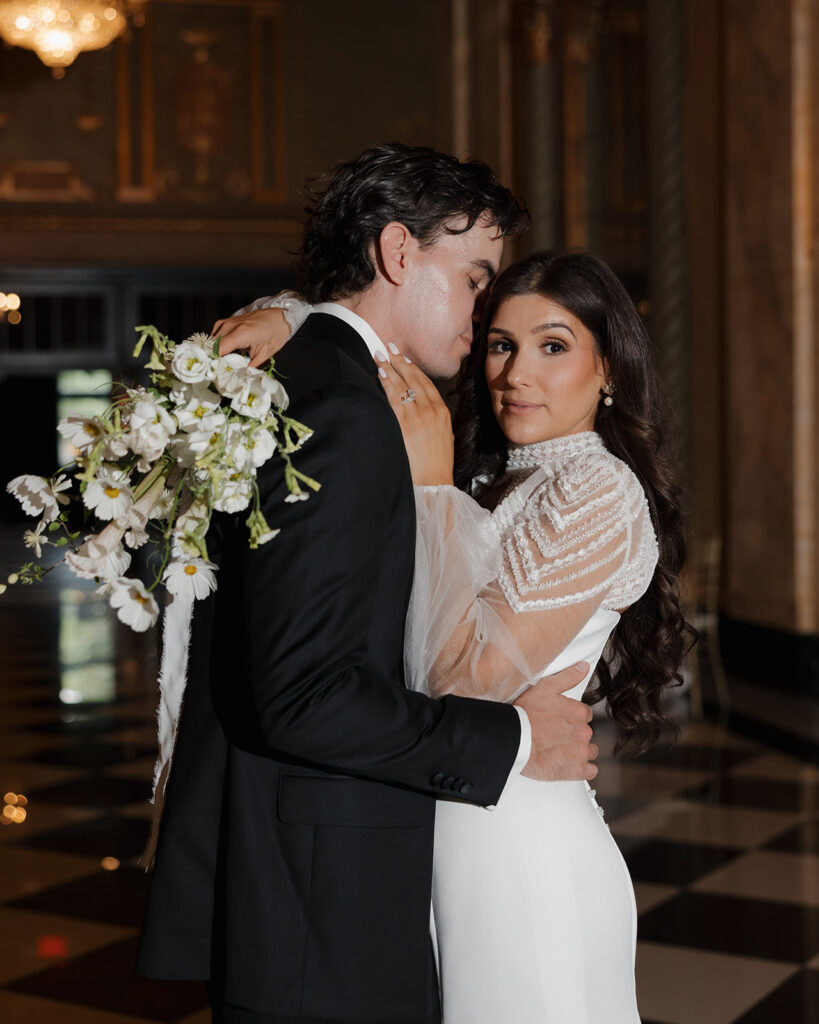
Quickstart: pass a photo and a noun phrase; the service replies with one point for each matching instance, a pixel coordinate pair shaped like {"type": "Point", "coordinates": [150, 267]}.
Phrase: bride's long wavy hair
{"type": "Point", "coordinates": [645, 652]}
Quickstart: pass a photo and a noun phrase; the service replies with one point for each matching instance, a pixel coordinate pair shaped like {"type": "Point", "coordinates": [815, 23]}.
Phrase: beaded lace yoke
{"type": "Point", "coordinates": [498, 595]}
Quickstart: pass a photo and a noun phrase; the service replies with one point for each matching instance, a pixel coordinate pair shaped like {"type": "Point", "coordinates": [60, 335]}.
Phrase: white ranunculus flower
{"type": "Point", "coordinates": [150, 428]}
{"type": "Point", "coordinates": [189, 447]}
{"type": "Point", "coordinates": [230, 374]}
{"type": "Point", "coordinates": [254, 399]}
{"type": "Point", "coordinates": [35, 540]}
{"type": "Point", "coordinates": [278, 395]}
{"type": "Point", "coordinates": [115, 448]}
{"type": "Point", "coordinates": [81, 431]}
{"type": "Point", "coordinates": [37, 495]}
{"type": "Point", "coordinates": [237, 450]}
{"type": "Point", "coordinates": [208, 423]}
{"type": "Point", "coordinates": [193, 517]}
{"type": "Point", "coordinates": [108, 495]}
{"type": "Point", "coordinates": [133, 604]}
{"type": "Point", "coordinates": [261, 445]}
{"type": "Point", "coordinates": [233, 494]}
{"type": "Point", "coordinates": [191, 363]}
{"type": "Point", "coordinates": [199, 402]}
{"type": "Point", "coordinates": [190, 577]}
{"type": "Point", "coordinates": [100, 557]}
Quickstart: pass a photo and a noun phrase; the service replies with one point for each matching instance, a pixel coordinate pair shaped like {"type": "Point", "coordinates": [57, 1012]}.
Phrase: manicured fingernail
{"type": "Point", "coordinates": [393, 349]}
{"type": "Point", "coordinates": [379, 355]}
{"type": "Point", "coordinates": [382, 372]}
{"type": "Point", "coordinates": [406, 360]}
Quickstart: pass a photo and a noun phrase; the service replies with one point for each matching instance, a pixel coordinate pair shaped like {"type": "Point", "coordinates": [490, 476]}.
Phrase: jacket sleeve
{"type": "Point", "coordinates": [308, 600]}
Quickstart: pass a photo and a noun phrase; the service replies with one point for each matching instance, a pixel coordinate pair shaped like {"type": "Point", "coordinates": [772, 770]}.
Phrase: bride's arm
{"type": "Point", "coordinates": [487, 630]}
{"type": "Point", "coordinates": [490, 612]}
{"type": "Point", "coordinates": [263, 327]}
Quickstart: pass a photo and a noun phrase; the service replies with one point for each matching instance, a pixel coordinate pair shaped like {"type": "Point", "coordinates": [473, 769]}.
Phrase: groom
{"type": "Point", "coordinates": [293, 867]}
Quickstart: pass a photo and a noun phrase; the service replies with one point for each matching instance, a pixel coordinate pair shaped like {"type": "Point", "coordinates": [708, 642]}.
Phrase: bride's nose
{"type": "Point", "coordinates": [516, 371]}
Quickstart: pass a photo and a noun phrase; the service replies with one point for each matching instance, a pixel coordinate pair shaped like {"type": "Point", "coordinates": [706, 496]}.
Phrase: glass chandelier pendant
{"type": "Point", "coordinates": [58, 30]}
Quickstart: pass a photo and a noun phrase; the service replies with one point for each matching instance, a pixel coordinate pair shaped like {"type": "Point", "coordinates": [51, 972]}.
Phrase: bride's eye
{"type": "Point", "coordinates": [553, 347]}
{"type": "Point", "coordinates": [500, 345]}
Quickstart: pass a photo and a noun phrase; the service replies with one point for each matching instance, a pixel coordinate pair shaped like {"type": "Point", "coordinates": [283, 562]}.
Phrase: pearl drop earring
{"type": "Point", "coordinates": [608, 391]}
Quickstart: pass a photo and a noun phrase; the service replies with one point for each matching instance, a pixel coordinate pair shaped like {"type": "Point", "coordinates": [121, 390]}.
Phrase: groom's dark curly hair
{"type": "Point", "coordinates": [427, 191]}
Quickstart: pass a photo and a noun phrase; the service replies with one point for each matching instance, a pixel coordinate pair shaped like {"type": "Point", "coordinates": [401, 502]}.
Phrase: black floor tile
{"type": "Point", "coordinates": [105, 980]}
{"type": "Point", "coordinates": [112, 897]}
{"type": "Point", "coordinates": [794, 1002]}
{"type": "Point", "coordinates": [691, 755]}
{"type": "Point", "coordinates": [728, 924]}
{"type": "Point", "coordinates": [672, 863]}
{"type": "Point", "coordinates": [802, 838]}
{"type": "Point", "coordinates": [762, 794]}
{"type": "Point", "coordinates": [94, 791]}
{"type": "Point", "coordinates": [90, 754]}
{"type": "Point", "coordinates": [109, 836]}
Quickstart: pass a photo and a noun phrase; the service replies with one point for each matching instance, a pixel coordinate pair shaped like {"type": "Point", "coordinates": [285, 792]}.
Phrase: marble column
{"type": "Point", "coordinates": [540, 127]}
{"type": "Point", "coordinates": [771, 231]}
{"type": "Point", "coordinates": [668, 263]}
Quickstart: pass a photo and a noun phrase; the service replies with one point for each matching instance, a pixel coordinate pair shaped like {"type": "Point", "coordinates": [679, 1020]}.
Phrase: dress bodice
{"type": "Point", "coordinates": [500, 597]}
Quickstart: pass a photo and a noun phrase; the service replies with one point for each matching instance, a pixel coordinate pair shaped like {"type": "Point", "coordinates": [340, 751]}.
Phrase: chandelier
{"type": "Point", "coordinates": [58, 30]}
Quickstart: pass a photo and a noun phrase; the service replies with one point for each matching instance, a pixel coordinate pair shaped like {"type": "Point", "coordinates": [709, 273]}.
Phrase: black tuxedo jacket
{"type": "Point", "coordinates": [294, 860]}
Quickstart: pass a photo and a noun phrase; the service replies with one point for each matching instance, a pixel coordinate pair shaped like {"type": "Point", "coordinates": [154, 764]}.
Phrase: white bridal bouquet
{"type": "Point", "coordinates": [156, 465]}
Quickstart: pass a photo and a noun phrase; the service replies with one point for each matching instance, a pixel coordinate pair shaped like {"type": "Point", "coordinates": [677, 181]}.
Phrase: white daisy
{"type": "Point", "coordinates": [81, 431]}
{"type": "Point", "coordinates": [190, 577]}
{"type": "Point", "coordinates": [108, 495]}
{"type": "Point", "coordinates": [37, 495]}
{"type": "Point", "coordinates": [133, 604]}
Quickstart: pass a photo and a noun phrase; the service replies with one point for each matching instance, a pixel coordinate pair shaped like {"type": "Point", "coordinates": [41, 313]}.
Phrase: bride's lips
{"type": "Point", "coordinates": [519, 408]}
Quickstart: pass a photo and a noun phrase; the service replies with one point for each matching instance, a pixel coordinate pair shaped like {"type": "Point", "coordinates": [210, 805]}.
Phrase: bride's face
{"type": "Point", "coordinates": [543, 370]}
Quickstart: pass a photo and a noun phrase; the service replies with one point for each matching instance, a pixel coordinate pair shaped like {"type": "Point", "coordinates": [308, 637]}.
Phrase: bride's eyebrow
{"type": "Point", "coordinates": [550, 327]}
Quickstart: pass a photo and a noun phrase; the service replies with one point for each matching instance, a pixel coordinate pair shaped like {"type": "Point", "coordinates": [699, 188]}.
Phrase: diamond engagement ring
{"type": "Point", "coordinates": [409, 395]}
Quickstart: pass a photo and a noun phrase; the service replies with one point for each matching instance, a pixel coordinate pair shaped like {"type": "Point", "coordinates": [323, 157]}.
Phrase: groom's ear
{"type": "Point", "coordinates": [394, 250]}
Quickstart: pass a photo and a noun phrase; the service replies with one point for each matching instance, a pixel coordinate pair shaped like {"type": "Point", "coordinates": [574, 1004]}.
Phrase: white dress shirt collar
{"type": "Point", "coordinates": [358, 323]}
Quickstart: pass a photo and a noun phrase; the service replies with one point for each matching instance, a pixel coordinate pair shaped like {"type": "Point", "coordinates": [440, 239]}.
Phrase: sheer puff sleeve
{"type": "Point", "coordinates": [292, 305]}
{"type": "Point", "coordinates": [497, 596]}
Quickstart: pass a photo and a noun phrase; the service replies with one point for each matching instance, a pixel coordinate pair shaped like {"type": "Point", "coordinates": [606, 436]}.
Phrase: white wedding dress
{"type": "Point", "coordinates": [532, 902]}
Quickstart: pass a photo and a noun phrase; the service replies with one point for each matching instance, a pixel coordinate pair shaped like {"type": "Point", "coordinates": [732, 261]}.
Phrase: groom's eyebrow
{"type": "Point", "coordinates": [486, 266]}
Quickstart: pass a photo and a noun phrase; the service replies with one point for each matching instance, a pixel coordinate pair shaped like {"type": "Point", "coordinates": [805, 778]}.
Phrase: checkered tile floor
{"type": "Point", "coordinates": [721, 835]}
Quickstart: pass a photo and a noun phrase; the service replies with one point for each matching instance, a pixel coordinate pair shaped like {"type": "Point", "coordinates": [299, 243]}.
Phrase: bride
{"type": "Point", "coordinates": [555, 536]}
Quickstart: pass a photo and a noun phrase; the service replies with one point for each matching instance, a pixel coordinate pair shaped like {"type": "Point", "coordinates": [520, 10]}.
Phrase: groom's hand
{"type": "Point", "coordinates": [561, 735]}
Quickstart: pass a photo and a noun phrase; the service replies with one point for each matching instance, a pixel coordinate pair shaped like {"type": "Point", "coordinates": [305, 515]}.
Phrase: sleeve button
{"type": "Point", "coordinates": [437, 779]}
{"type": "Point", "coordinates": [466, 787]}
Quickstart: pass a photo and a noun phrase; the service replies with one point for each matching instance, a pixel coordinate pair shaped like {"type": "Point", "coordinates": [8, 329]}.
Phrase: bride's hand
{"type": "Point", "coordinates": [262, 333]}
{"type": "Point", "coordinates": [424, 419]}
